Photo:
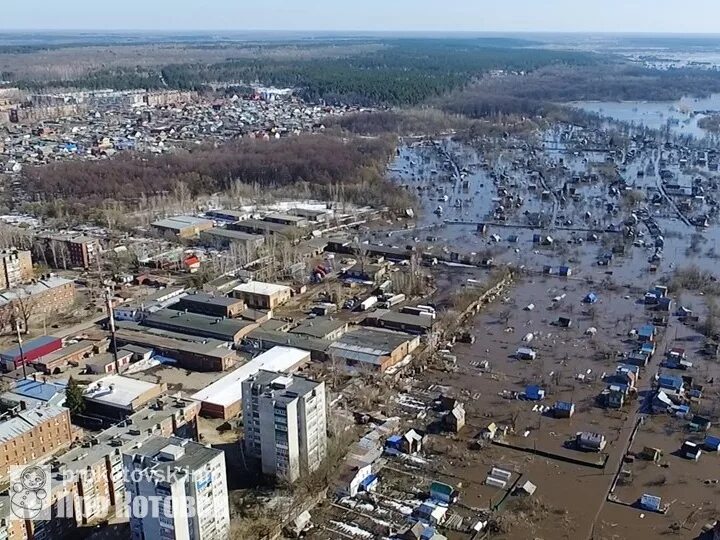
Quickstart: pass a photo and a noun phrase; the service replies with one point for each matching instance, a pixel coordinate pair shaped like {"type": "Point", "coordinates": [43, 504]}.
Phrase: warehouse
{"type": "Point", "coordinates": [209, 304]}
{"type": "Point", "coordinates": [223, 398]}
{"type": "Point", "coordinates": [367, 348]}
{"type": "Point", "coordinates": [261, 295]}
{"type": "Point", "coordinates": [224, 238]}
{"type": "Point", "coordinates": [231, 330]}
{"type": "Point", "coordinates": [32, 351]}
{"type": "Point", "coordinates": [74, 353]}
{"type": "Point", "coordinates": [199, 354]}
{"type": "Point", "coordinates": [402, 322]}
{"type": "Point", "coordinates": [321, 328]}
{"type": "Point", "coordinates": [117, 396]}
{"type": "Point", "coordinates": [183, 226]}
{"type": "Point", "coordinates": [265, 228]}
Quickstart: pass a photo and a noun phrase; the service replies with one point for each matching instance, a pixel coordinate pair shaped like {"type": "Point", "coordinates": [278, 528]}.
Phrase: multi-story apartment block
{"type": "Point", "coordinates": [68, 250]}
{"type": "Point", "coordinates": [285, 423]}
{"type": "Point", "coordinates": [27, 436]}
{"type": "Point", "coordinates": [15, 268]}
{"type": "Point", "coordinates": [179, 475]}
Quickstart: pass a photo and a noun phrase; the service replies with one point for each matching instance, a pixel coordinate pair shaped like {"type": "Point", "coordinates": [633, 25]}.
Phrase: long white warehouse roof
{"type": "Point", "coordinates": [228, 390]}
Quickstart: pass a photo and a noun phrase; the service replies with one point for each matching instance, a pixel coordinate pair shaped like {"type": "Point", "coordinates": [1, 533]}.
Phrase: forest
{"type": "Point", "coordinates": [398, 72]}
{"type": "Point", "coordinates": [321, 162]}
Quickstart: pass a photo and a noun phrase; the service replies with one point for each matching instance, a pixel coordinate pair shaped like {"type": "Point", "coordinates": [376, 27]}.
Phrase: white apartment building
{"type": "Point", "coordinates": [178, 474]}
{"type": "Point", "coordinates": [285, 422]}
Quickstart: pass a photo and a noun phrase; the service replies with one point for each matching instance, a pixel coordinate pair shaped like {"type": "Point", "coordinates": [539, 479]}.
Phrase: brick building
{"type": "Point", "coordinates": [15, 268]}
{"type": "Point", "coordinates": [28, 436]}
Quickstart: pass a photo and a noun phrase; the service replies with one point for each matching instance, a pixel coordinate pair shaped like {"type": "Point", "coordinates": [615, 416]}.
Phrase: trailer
{"type": "Point", "coordinates": [368, 303]}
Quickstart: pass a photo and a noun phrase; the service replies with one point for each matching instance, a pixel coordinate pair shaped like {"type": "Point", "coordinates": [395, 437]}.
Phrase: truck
{"type": "Point", "coordinates": [369, 302]}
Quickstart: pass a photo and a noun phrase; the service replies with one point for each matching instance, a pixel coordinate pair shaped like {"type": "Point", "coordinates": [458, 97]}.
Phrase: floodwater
{"type": "Point", "coordinates": [681, 116]}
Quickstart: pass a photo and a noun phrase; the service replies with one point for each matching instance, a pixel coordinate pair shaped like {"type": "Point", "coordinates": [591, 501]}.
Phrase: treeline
{"type": "Point", "coordinates": [604, 82]}
{"type": "Point", "coordinates": [404, 72]}
{"type": "Point", "coordinates": [402, 122]}
{"type": "Point", "coordinates": [324, 162]}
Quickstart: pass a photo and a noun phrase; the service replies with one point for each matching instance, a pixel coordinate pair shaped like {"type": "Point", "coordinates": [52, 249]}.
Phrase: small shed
{"type": "Point", "coordinates": [564, 322]}
{"type": "Point", "coordinates": [565, 271]}
{"type": "Point", "coordinates": [527, 488]}
{"type": "Point", "coordinates": [646, 333]}
{"type": "Point", "coordinates": [712, 443]}
{"type": "Point", "coordinates": [699, 423]}
{"type": "Point", "coordinates": [690, 450]}
{"type": "Point", "coordinates": [534, 393]}
{"type": "Point", "coordinates": [651, 503]}
{"type": "Point", "coordinates": [590, 298]}
{"type": "Point", "coordinates": [443, 493]}
{"type": "Point", "coordinates": [525, 353]}
{"type": "Point", "coordinates": [455, 420]}
{"type": "Point", "coordinates": [563, 409]}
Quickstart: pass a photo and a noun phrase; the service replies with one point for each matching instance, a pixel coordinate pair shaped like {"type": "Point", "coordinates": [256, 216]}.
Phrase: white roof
{"type": "Point", "coordinates": [259, 287]}
{"type": "Point", "coordinates": [124, 390]}
{"type": "Point", "coordinates": [228, 390]}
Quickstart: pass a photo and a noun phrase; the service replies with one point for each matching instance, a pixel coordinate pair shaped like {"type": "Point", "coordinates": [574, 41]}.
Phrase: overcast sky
{"type": "Point", "coordinates": [684, 16]}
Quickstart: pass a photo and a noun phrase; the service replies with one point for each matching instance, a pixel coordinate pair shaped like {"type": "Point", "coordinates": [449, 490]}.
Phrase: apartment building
{"type": "Point", "coordinates": [27, 436]}
{"type": "Point", "coordinates": [95, 469]}
{"type": "Point", "coordinates": [68, 250]}
{"type": "Point", "coordinates": [185, 475]}
{"type": "Point", "coordinates": [53, 294]}
{"type": "Point", "coordinates": [285, 422]}
{"type": "Point", "coordinates": [15, 268]}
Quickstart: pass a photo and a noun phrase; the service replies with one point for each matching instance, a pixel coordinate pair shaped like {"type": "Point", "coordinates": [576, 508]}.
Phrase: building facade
{"type": "Point", "coordinates": [183, 474]}
{"type": "Point", "coordinates": [29, 436]}
{"type": "Point", "coordinates": [68, 250]}
{"type": "Point", "coordinates": [15, 268]}
{"type": "Point", "coordinates": [285, 422]}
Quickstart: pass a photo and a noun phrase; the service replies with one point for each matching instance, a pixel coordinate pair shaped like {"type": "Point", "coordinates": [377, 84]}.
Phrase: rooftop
{"type": "Point", "coordinates": [117, 391]}
{"type": "Point", "coordinates": [25, 421]}
{"type": "Point", "coordinates": [163, 454]}
{"type": "Point", "coordinates": [180, 222]}
{"type": "Point", "coordinates": [318, 328]}
{"type": "Point", "coordinates": [137, 428]}
{"type": "Point", "coordinates": [259, 287]}
{"type": "Point", "coordinates": [196, 324]}
{"type": "Point", "coordinates": [228, 390]}
{"type": "Point", "coordinates": [210, 299]}
{"type": "Point", "coordinates": [284, 388]}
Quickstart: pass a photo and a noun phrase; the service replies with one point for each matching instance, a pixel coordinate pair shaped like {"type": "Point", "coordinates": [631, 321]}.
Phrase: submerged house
{"type": "Point", "coordinates": [592, 442]}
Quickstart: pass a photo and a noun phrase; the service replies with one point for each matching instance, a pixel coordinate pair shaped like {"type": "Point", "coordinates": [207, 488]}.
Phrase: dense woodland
{"type": "Point", "coordinates": [403, 72]}
{"type": "Point", "coordinates": [321, 162]}
{"type": "Point", "coordinates": [603, 82]}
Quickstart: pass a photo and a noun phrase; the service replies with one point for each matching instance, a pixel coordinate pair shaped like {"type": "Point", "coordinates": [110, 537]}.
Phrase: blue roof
{"type": "Point", "coordinates": [394, 439]}
{"type": "Point", "coordinates": [39, 390]}
{"type": "Point", "coordinates": [711, 441]}
{"type": "Point", "coordinates": [14, 352]}
{"type": "Point", "coordinates": [533, 392]}
{"type": "Point", "coordinates": [647, 330]}
{"type": "Point", "coordinates": [670, 381]}
{"type": "Point", "coordinates": [591, 298]}
{"type": "Point", "coordinates": [564, 405]}
{"type": "Point", "coordinates": [368, 481]}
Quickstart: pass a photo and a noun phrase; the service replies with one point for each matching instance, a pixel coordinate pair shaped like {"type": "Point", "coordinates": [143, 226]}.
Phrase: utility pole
{"type": "Point", "coordinates": [111, 318]}
{"type": "Point", "coordinates": [22, 354]}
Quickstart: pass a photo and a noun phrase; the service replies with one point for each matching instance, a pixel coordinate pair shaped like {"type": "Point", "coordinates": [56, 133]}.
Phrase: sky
{"type": "Point", "coordinates": [656, 16]}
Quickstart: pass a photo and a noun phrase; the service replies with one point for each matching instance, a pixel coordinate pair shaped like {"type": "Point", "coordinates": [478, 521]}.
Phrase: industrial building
{"type": "Point", "coordinates": [209, 304]}
{"type": "Point", "coordinates": [194, 324]}
{"type": "Point", "coordinates": [138, 309]}
{"type": "Point", "coordinates": [223, 398]}
{"type": "Point", "coordinates": [285, 422]}
{"type": "Point", "coordinates": [32, 351]}
{"type": "Point", "coordinates": [190, 352]}
{"type": "Point", "coordinates": [266, 228]}
{"type": "Point", "coordinates": [402, 322]}
{"type": "Point", "coordinates": [321, 328]}
{"type": "Point", "coordinates": [373, 349]}
{"type": "Point", "coordinates": [182, 474]}
{"type": "Point", "coordinates": [117, 396]}
{"type": "Point", "coordinates": [261, 295]}
{"type": "Point", "coordinates": [224, 238]}
{"type": "Point", "coordinates": [183, 226]}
